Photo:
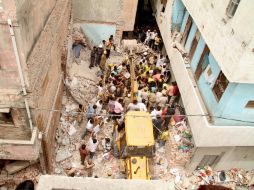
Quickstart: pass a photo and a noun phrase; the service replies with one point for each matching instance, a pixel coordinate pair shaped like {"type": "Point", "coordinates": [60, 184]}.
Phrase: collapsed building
{"type": "Point", "coordinates": [35, 48]}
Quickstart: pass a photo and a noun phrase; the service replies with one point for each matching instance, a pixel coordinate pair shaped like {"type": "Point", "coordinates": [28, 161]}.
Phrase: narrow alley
{"type": "Point", "coordinates": [126, 94]}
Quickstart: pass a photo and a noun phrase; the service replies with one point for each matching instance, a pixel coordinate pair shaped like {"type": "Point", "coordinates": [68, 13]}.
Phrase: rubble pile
{"type": "Point", "coordinates": [32, 172]}
{"type": "Point", "coordinates": [68, 137]}
{"type": "Point", "coordinates": [235, 178]}
{"type": "Point", "coordinates": [81, 88]}
{"type": "Point", "coordinates": [180, 148]}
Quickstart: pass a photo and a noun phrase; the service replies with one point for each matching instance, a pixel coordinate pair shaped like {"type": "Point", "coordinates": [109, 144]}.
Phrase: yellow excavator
{"type": "Point", "coordinates": [136, 141]}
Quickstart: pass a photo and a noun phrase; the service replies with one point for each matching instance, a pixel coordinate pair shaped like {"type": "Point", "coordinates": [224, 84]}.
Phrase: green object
{"type": "Point", "coordinates": [183, 148]}
{"type": "Point", "coordinates": [187, 135]}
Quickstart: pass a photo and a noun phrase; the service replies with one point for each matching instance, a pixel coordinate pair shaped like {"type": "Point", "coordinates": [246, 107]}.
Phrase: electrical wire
{"type": "Point", "coordinates": [123, 115]}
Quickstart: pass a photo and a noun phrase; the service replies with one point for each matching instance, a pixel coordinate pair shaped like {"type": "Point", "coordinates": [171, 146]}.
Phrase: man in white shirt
{"type": "Point", "coordinates": [148, 38]}
{"type": "Point", "coordinates": [153, 113]}
{"type": "Point", "coordinates": [96, 129]}
{"type": "Point", "coordinates": [160, 61]}
{"type": "Point", "coordinates": [92, 145]}
{"type": "Point", "coordinates": [133, 106]}
{"type": "Point", "coordinates": [142, 105]}
{"type": "Point", "coordinates": [88, 128]}
{"type": "Point", "coordinates": [153, 35]}
{"type": "Point", "coordinates": [99, 106]}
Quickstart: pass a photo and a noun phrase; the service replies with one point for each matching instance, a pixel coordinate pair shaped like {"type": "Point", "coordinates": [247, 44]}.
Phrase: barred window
{"type": "Point", "coordinates": [220, 86]}
{"type": "Point", "coordinates": [232, 6]}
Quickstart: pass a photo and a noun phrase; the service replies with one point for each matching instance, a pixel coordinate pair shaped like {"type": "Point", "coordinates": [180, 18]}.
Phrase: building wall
{"type": "Point", "coordinates": [45, 59]}
{"type": "Point", "coordinates": [8, 67]}
{"type": "Point", "coordinates": [230, 105]}
{"type": "Point", "coordinates": [98, 11]}
{"type": "Point", "coordinates": [238, 157]}
{"type": "Point", "coordinates": [119, 14]}
{"type": "Point", "coordinates": [31, 20]}
{"type": "Point", "coordinates": [178, 14]}
{"type": "Point", "coordinates": [45, 36]}
{"type": "Point", "coordinates": [207, 137]}
{"type": "Point", "coordinates": [229, 39]}
{"type": "Point", "coordinates": [129, 14]}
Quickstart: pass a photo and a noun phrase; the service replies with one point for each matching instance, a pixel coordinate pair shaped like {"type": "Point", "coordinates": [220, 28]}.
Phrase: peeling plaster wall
{"type": "Point", "coordinates": [99, 11]}
{"type": "Point", "coordinates": [32, 16]}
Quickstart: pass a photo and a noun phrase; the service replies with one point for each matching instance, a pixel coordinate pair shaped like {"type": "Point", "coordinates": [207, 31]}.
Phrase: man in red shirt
{"type": "Point", "coordinates": [83, 153]}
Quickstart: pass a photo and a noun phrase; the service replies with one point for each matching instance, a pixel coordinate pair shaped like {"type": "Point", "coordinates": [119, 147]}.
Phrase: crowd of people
{"type": "Point", "coordinates": [156, 94]}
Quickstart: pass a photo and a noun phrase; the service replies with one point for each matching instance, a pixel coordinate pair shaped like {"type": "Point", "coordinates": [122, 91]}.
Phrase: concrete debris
{"type": "Point", "coordinates": [62, 155]}
{"type": "Point", "coordinates": [16, 166]}
{"type": "Point", "coordinates": [31, 172]}
{"type": "Point", "coordinates": [72, 130]}
{"type": "Point", "coordinates": [65, 140]}
{"type": "Point", "coordinates": [81, 89]}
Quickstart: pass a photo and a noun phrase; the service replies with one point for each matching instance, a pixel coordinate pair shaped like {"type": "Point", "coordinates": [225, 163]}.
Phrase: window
{"type": "Point", "coordinates": [194, 44]}
{"type": "Point", "coordinates": [220, 86]}
{"type": "Point", "coordinates": [202, 63]}
{"type": "Point", "coordinates": [250, 104]}
{"type": "Point", "coordinates": [6, 118]}
{"type": "Point", "coordinates": [232, 6]}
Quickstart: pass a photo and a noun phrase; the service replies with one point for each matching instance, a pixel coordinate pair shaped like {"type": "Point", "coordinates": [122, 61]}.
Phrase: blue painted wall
{"type": "Point", "coordinates": [178, 14]}
{"type": "Point", "coordinates": [185, 19]}
{"type": "Point", "coordinates": [197, 54]}
{"type": "Point", "coordinates": [236, 96]}
{"type": "Point", "coordinates": [95, 33]}
{"type": "Point", "coordinates": [232, 103]}
{"type": "Point", "coordinates": [206, 88]}
{"type": "Point", "coordinates": [190, 37]}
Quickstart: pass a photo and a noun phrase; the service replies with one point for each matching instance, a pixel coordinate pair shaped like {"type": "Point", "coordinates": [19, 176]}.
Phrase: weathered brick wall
{"type": "Point", "coordinates": [45, 76]}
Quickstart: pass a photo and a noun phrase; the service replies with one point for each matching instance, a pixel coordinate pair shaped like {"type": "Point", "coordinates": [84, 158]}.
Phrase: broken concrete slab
{"type": "Point", "coordinates": [72, 130]}
{"type": "Point", "coordinates": [17, 166]}
{"type": "Point", "coordinates": [65, 141]}
{"type": "Point", "coordinates": [62, 155]}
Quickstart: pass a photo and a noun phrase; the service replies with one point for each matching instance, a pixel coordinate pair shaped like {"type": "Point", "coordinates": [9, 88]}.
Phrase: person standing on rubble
{"type": "Point", "coordinates": [112, 40]}
{"type": "Point", "coordinates": [103, 62]}
{"type": "Point", "coordinates": [83, 153]}
{"type": "Point", "coordinates": [92, 145]}
{"type": "Point", "coordinates": [99, 54]}
{"type": "Point", "coordinates": [118, 109]}
{"type": "Point", "coordinates": [91, 111]}
{"type": "Point", "coordinates": [89, 167]}
{"type": "Point", "coordinates": [152, 39]}
{"type": "Point", "coordinates": [109, 45]}
{"type": "Point", "coordinates": [157, 41]}
{"type": "Point", "coordinates": [93, 57]}
{"type": "Point", "coordinates": [148, 38]}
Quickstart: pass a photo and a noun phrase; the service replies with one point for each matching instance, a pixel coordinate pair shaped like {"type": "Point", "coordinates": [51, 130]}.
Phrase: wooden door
{"type": "Point", "coordinates": [186, 30]}
{"type": "Point", "coordinates": [198, 71]}
{"type": "Point", "coordinates": [193, 48]}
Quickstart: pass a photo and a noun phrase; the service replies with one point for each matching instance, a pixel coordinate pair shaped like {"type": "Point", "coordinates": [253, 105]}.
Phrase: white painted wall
{"type": "Point", "coordinates": [226, 40]}
{"type": "Point", "coordinates": [238, 157]}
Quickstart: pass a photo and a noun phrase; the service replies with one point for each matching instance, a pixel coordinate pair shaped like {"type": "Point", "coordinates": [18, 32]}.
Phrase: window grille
{"type": "Point", "coordinates": [220, 86]}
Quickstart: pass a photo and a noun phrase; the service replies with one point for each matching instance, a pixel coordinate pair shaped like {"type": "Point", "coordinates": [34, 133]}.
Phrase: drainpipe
{"type": "Point", "coordinates": [21, 75]}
